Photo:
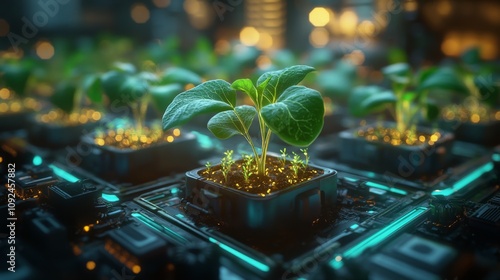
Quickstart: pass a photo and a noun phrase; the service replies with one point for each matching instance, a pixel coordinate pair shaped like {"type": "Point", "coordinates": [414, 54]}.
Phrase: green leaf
{"type": "Point", "coordinates": [15, 77]}
{"type": "Point", "coordinates": [162, 96]}
{"type": "Point", "coordinates": [111, 84]}
{"type": "Point", "coordinates": [489, 88]}
{"type": "Point", "coordinates": [443, 79]}
{"type": "Point", "coordinates": [132, 89]}
{"type": "Point", "coordinates": [247, 87]}
{"type": "Point", "coordinates": [367, 99]}
{"type": "Point", "coordinates": [180, 76]}
{"type": "Point", "coordinates": [398, 73]}
{"type": "Point", "coordinates": [92, 87]}
{"type": "Point", "coordinates": [432, 110]}
{"type": "Point", "coordinates": [280, 80]}
{"type": "Point", "coordinates": [471, 57]}
{"type": "Point", "coordinates": [210, 97]}
{"type": "Point", "coordinates": [297, 116]}
{"type": "Point", "coordinates": [124, 67]}
{"type": "Point", "coordinates": [374, 102]}
{"type": "Point", "coordinates": [232, 122]}
{"type": "Point", "coordinates": [334, 83]}
{"type": "Point", "coordinates": [64, 96]}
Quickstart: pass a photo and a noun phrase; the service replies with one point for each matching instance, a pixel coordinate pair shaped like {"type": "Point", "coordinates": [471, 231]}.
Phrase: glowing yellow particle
{"type": "Point", "coordinates": [86, 228]}
{"type": "Point", "coordinates": [4, 107]}
{"type": "Point", "coordinates": [4, 93]}
{"type": "Point", "coordinates": [90, 265]}
{"type": "Point", "coordinates": [15, 107]}
{"type": "Point", "coordinates": [497, 115]}
{"type": "Point", "coordinates": [475, 118]}
{"type": "Point", "coordinates": [96, 116]}
{"type": "Point", "coordinates": [434, 138]}
{"type": "Point", "coordinates": [170, 139]}
{"type": "Point", "coordinates": [99, 142]}
{"type": "Point", "coordinates": [421, 138]}
{"type": "Point", "coordinates": [136, 269]}
{"type": "Point", "coordinates": [176, 132]}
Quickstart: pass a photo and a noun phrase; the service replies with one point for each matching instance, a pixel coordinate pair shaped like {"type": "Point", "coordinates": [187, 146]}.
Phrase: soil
{"type": "Point", "coordinates": [279, 176]}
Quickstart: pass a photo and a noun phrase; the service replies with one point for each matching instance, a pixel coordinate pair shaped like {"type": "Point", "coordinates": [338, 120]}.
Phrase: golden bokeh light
{"type": "Point", "coordinates": [319, 17]}
{"type": "Point", "coordinates": [319, 37]}
{"type": "Point", "coordinates": [265, 41]}
{"type": "Point", "coordinates": [44, 50]}
{"type": "Point", "coordinates": [249, 36]}
{"type": "Point", "coordinates": [90, 265]}
{"type": "Point", "coordinates": [139, 13]}
{"type": "Point", "coordinates": [348, 22]}
{"type": "Point", "coordinates": [161, 3]}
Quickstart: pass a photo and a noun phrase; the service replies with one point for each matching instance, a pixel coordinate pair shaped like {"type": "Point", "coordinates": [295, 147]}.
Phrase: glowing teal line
{"type": "Point", "coordinates": [260, 266]}
{"type": "Point", "coordinates": [110, 197]}
{"type": "Point", "coordinates": [64, 174]}
{"type": "Point", "coordinates": [163, 229]}
{"type": "Point", "coordinates": [37, 160]}
{"type": "Point", "coordinates": [174, 190]}
{"type": "Point", "coordinates": [384, 187]}
{"type": "Point", "coordinates": [380, 236]}
{"type": "Point", "coordinates": [466, 180]}
{"type": "Point", "coordinates": [350, 179]}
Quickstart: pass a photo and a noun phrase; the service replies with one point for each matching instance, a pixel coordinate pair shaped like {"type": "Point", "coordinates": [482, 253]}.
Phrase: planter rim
{"type": "Point", "coordinates": [326, 173]}
{"type": "Point", "coordinates": [445, 135]}
{"type": "Point", "coordinates": [88, 138]}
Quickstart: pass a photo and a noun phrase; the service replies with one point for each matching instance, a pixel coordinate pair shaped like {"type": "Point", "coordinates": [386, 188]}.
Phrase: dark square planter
{"type": "Point", "coordinates": [141, 165]}
{"type": "Point", "coordinates": [300, 204]}
{"type": "Point", "coordinates": [403, 160]}
{"type": "Point", "coordinates": [52, 135]}
{"type": "Point", "coordinates": [14, 121]}
{"type": "Point", "coordinates": [483, 133]}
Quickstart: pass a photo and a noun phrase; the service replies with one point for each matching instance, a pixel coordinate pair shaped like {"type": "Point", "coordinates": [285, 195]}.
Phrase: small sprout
{"type": "Point", "coordinates": [283, 157]}
{"type": "Point", "coordinates": [247, 166]}
{"type": "Point", "coordinates": [306, 156]}
{"type": "Point", "coordinates": [226, 163]}
{"type": "Point", "coordinates": [297, 163]}
{"type": "Point", "coordinates": [208, 165]}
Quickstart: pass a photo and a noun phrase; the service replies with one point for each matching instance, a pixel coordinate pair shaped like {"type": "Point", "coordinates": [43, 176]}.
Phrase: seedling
{"type": "Point", "coordinates": [226, 163]}
{"type": "Point", "coordinates": [124, 85]}
{"type": "Point", "coordinates": [283, 157]}
{"type": "Point", "coordinates": [294, 113]}
{"type": "Point", "coordinates": [409, 95]}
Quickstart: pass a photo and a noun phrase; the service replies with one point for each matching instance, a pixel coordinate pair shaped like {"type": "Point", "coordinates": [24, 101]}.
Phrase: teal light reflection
{"type": "Point", "coordinates": [260, 266]}
{"type": "Point", "coordinates": [466, 180]}
{"type": "Point", "coordinates": [378, 237]}
{"type": "Point", "coordinates": [386, 188]}
{"type": "Point", "coordinates": [64, 174]}
{"type": "Point", "coordinates": [110, 197]}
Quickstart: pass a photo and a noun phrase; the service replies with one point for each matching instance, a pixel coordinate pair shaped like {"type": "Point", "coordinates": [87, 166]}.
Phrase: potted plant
{"type": "Point", "coordinates": [400, 147]}
{"type": "Point", "coordinates": [136, 150]}
{"type": "Point", "coordinates": [259, 191]}
{"type": "Point", "coordinates": [15, 106]}
{"type": "Point", "coordinates": [476, 118]}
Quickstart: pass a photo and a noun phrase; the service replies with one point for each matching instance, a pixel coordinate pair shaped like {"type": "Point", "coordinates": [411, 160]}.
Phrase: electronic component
{"type": "Point", "coordinates": [75, 202]}
{"type": "Point", "coordinates": [34, 180]}
{"type": "Point", "coordinates": [487, 217]}
{"type": "Point", "coordinates": [137, 248]}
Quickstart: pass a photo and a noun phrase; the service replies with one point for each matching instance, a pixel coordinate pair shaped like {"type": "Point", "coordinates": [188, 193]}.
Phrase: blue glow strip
{"type": "Point", "coordinates": [174, 190]}
{"type": "Point", "coordinates": [260, 266]}
{"type": "Point", "coordinates": [110, 197]}
{"type": "Point", "coordinates": [156, 226]}
{"type": "Point", "coordinates": [386, 188]}
{"type": "Point", "coordinates": [64, 174]}
{"type": "Point", "coordinates": [466, 180]}
{"type": "Point", "coordinates": [380, 236]}
{"type": "Point", "coordinates": [353, 227]}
